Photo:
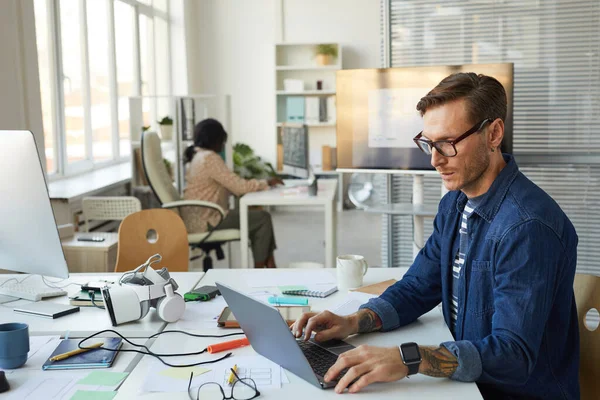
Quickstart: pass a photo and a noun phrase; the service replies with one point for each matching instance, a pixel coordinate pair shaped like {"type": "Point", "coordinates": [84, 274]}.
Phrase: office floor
{"type": "Point", "coordinates": [300, 237]}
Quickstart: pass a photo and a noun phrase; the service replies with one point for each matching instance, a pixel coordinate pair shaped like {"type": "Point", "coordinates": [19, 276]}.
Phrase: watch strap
{"type": "Point", "coordinates": [413, 368]}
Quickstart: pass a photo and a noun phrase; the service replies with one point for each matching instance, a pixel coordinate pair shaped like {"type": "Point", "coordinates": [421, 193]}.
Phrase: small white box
{"type": "Point", "coordinates": [293, 85]}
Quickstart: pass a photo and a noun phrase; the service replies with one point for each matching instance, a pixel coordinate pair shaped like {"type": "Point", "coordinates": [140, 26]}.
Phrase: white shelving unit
{"type": "Point", "coordinates": [298, 61]}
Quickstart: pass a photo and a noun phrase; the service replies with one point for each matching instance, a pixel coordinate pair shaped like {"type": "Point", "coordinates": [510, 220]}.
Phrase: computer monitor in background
{"type": "Point", "coordinates": [295, 150]}
{"type": "Point", "coordinates": [29, 240]}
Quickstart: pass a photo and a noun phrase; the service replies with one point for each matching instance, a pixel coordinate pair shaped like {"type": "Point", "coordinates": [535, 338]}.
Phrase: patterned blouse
{"type": "Point", "coordinates": [209, 179]}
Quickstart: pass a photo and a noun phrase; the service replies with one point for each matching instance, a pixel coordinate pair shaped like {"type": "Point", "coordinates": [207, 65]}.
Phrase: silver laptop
{"type": "Point", "coordinates": [271, 337]}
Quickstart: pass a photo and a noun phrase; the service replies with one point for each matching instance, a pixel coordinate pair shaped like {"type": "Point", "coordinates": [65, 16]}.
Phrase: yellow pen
{"type": "Point", "coordinates": [68, 354]}
{"type": "Point", "coordinates": [232, 375]}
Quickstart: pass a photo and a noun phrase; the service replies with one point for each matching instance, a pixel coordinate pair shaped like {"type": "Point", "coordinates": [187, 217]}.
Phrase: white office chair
{"type": "Point", "coordinates": [108, 208]}
{"type": "Point", "coordinates": [162, 186]}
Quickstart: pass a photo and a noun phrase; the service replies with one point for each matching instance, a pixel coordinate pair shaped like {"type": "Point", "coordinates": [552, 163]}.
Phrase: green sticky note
{"type": "Point", "coordinates": [292, 287]}
{"type": "Point", "coordinates": [103, 378]}
{"type": "Point", "coordinates": [91, 395]}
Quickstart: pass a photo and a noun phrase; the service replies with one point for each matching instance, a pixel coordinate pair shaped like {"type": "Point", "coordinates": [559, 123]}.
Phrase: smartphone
{"type": "Point", "coordinates": [289, 313]}
{"type": "Point", "coordinates": [90, 239]}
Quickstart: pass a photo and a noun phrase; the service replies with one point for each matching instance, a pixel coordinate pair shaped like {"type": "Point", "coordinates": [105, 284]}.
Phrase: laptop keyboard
{"type": "Point", "coordinates": [319, 359]}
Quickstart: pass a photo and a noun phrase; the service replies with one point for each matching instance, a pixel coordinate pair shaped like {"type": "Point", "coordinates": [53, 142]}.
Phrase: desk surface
{"type": "Point", "coordinates": [90, 182]}
{"type": "Point", "coordinates": [429, 329]}
{"type": "Point", "coordinates": [89, 319]}
{"type": "Point", "coordinates": [292, 196]}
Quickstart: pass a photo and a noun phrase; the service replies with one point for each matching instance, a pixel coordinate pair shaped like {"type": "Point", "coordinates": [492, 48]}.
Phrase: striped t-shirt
{"type": "Point", "coordinates": [459, 260]}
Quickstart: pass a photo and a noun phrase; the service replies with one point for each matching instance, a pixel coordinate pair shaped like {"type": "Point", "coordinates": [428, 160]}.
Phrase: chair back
{"type": "Point", "coordinates": [155, 169]}
{"type": "Point", "coordinates": [148, 232]}
{"type": "Point", "coordinates": [108, 208]}
{"type": "Point", "coordinates": [587, 296]}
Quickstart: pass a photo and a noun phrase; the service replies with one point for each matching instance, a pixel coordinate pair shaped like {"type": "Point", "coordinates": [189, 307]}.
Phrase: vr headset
{"type": "Point", "coordinates": [139, 290]}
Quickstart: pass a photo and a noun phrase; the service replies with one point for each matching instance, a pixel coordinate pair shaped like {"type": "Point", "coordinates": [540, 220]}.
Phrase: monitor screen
{"type": "Point", "coordinates": [295, 149]}
{"type": "Point", "coordinates": [377, 116]}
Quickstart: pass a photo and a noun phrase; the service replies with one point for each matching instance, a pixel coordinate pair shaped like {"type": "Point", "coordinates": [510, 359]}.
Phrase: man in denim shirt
{"type": "Point", "coordinates": [501, 260]}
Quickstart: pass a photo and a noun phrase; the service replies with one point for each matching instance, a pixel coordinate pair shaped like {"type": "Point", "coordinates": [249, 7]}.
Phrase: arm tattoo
{"type": "Point", "coordinates": [368, 321]}
{"type": "Point", "coordinates": [437, 362]}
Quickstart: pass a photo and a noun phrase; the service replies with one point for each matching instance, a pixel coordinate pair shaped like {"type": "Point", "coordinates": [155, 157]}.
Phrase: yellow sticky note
{"type": "Point", "coordinates": [183, 373]}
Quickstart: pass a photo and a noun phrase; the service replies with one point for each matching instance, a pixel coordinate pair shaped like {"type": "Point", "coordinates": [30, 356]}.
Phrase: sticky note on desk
{"type": "Point", "coordinates": [183, 373]}
{"type": "Point", "coordinates": [103, 378]}
{"type": "Point", "coordinates": [292, 287]}
{"type": "Point", "coordinates": [92, 395]}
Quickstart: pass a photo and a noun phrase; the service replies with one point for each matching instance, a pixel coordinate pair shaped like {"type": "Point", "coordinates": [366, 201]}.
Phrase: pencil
{"type": "Point", "coordinates": [68, 354]}
{"type": "Point", "coordinates": [232, 375]}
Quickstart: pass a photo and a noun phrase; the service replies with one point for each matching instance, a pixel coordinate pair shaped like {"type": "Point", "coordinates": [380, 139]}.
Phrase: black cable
{"type": "Point", "coordinates": [92, 295]}
{"type": "Point", "coordinates": [157, 355]}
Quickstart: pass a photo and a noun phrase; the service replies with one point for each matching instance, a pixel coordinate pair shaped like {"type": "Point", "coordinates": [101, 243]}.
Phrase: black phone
{"type": "Point", "coordinates": [90, 239]}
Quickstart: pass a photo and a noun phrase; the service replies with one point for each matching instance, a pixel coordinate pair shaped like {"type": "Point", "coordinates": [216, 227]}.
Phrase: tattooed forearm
{"type": "Point", "coordinates": [437, 362]}
{"type": "Point", "coordinates": [368, 321]}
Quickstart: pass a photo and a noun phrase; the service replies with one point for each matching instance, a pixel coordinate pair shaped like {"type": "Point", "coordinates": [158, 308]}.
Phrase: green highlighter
{"type": "Point", "coordinates": [203, 293]}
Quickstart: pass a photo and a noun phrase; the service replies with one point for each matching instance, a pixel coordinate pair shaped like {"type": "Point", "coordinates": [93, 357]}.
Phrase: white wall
{"type": "Point", "coordinates": [20, 104]}
{"type": "Point", "coordinates": [233, 52]}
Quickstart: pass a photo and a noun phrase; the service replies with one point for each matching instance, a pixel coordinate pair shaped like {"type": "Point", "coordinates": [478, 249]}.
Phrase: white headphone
{"type": "Point", "coordinates": [138, 291]}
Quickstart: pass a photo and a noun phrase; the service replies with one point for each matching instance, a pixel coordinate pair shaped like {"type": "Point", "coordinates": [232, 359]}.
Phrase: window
{"type": "Point", "coordinates": [554, 48]}
{"type": "Point", "coordinates": [93, 55]}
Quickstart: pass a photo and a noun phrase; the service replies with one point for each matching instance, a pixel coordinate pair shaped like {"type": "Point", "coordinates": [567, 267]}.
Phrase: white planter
{"type": "Point", "coordinates": [166, 132]}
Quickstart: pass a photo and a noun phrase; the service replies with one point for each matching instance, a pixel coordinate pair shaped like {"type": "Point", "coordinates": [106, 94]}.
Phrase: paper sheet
{"type": "Point", "coordinates": [351, 303]}
{"type": "Point", "coordinates": [103, 378]}
{"type": "Point", "coordinates": [36, 343]}
{"type": "Point", "coordinates": [90, 395]}
{"type": "Point", "coordinates": [282, 278]}
{"type": "Point", "coordinates": [161, 379]}
{"type": "Point", "coordinates": [264, 372]}
{"type": "Point", "coordinates": [183, 372]}
{"type": "Point", "coordinates": [48, 386]}
{"type": "Point", "coordinates": [201, 314]}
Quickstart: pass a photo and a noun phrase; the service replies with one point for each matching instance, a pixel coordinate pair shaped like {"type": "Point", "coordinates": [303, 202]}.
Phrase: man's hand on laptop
{"type": "Point", "coordinates": [371, 364]}
{"type": "Point", "coordinates": [326, 325]}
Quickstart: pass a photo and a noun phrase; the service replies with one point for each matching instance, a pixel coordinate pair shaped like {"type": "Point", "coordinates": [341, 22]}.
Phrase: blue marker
{"type": "Point", "coordinates": [296, 301]}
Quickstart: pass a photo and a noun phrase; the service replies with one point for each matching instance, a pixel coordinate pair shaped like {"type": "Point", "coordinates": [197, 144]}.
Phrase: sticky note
{"type": "Point", "coordinates": [183, 373]}
{"type": "Point", "coordinates": [292, 287]}
{"type": "Point", "coordinates": [103, 378]}
{"type": "Point", "coordinates": [91, 395]}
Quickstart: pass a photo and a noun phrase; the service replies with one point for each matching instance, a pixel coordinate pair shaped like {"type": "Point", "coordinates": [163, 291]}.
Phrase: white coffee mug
{"type": "Point", "coordinates": [350, 271]}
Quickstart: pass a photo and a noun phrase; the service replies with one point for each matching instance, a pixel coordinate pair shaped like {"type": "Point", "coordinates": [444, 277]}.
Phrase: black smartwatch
{"type": "Point", "coordinates": [411, 357]}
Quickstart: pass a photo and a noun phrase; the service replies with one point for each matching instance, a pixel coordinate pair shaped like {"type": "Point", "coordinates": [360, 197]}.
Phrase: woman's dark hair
{"type": "Point", "coordinates": [208, 134]}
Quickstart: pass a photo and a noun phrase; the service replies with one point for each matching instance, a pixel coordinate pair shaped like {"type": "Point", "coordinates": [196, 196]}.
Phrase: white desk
{"type": "Point", "coordinates": [294, 197]}
{"type": "Point", "coordinates": [429, 329]}
{"type": "Point", "coordinates": [89, 319]}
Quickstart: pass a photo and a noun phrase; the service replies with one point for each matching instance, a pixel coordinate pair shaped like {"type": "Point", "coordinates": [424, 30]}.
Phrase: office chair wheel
{"type": "Point", "coordinates": [207, 263]}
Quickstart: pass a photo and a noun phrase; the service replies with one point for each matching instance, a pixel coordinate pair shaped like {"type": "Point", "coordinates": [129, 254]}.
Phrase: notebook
{"type": "Point", "coordinates": [376, 288]}
{"type": "Point", "coordinates": [96, 358]}
{"type": "Point", "coordinates": [323, 290]}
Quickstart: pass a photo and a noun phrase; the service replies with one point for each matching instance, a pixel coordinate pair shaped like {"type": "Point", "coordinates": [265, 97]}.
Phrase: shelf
{"type": "Point", "coordinates": [308, 67]}
{"type": "Point", "coordinates": [420, 210]}
{"type": "Point", "coordinates": [307, 93]}
{"type": "Point", "coordinates": [313, 124]}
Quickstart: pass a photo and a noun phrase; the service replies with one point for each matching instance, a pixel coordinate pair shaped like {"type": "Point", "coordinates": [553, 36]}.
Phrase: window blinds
{"type": "Point", "coordinates": [555, 47]}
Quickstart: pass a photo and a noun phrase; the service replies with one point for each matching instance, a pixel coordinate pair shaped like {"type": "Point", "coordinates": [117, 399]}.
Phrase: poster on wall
{"type": "Point", "coordinates": [393, 117]}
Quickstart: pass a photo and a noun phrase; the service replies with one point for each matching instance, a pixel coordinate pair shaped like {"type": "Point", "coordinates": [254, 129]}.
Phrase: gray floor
{"type": "Point", "coordinates": [300, 237]}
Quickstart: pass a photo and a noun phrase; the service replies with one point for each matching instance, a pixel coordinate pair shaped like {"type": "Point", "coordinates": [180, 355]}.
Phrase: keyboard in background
{"type": "Point", "coordinates": [28, 292]}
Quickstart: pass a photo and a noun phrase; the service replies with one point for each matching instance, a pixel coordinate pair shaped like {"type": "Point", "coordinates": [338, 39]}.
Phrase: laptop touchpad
{"type": "Point", "coordinates": [335, 346]}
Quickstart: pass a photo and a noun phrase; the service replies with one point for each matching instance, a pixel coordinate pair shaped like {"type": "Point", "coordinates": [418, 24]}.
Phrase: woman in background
{"type": "Point", "coordinates": [209, 179]}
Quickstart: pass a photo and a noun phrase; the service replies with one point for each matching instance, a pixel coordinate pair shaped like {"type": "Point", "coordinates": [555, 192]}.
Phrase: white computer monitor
{"type": "Point", "coordinates": [294, 138]}
{"type": "Point", "coordinates": [29, 240]}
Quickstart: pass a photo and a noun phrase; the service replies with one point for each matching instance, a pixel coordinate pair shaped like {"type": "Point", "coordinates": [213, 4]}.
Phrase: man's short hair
{"type": "Point", "coordinates": [485, 96]}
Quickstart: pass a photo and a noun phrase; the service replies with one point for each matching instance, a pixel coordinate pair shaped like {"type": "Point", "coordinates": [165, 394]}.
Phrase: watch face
{"type": "Point", "coordinates": [410, 353]}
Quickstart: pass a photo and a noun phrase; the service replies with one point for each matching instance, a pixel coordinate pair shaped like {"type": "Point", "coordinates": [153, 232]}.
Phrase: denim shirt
{"type": "Point", "coordinates": [516, 331]}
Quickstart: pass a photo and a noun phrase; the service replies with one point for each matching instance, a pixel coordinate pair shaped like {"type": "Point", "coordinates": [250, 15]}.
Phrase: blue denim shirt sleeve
{"type": "Point", "coordinates": [526, 273]}
{"type": "Point", "coordinates": [419, 290]}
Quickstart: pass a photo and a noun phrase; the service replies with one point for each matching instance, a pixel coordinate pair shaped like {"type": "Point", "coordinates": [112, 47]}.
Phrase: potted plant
{"type": "Point", "coordinates": [166, 128]}
{"type": "Point", "coordinates": [326, 53]}
{"type": "Point", "coordinates": [248, 165]}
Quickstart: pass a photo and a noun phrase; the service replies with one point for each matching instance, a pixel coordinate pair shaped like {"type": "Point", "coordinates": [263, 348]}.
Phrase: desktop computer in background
{"type": "Point", "coordinates": [295, 156]}
{"type": "Point", "coordinates": [29, 240]}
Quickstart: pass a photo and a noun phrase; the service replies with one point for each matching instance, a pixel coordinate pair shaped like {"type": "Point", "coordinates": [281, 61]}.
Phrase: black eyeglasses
{"type": "Point", "coordinates": [242, 389]}
{"type": "Point", "coordinates": [447, 148]}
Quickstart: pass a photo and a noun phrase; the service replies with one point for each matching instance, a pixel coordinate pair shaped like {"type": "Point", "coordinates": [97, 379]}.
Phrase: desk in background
{"type": "Point", "coordinates": [294, 197]}
{"type": "Point", "coordinates": [430, 329]}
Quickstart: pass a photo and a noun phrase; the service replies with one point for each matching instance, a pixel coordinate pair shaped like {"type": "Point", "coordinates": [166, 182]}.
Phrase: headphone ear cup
{"type": "Point", "coordinates": [171, 307]}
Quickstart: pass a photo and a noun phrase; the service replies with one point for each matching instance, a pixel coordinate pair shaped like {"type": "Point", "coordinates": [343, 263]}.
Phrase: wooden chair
{"type": "Point", "coordinates": [587, 296]}
{"type": "Point", "coordinates": [148, 232]}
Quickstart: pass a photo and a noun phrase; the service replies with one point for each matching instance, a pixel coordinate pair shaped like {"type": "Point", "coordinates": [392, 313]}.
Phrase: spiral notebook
{"type": "Point", "coordinates": [97, 358]}
{"type": "Point", "coordinates": [323, 290]}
